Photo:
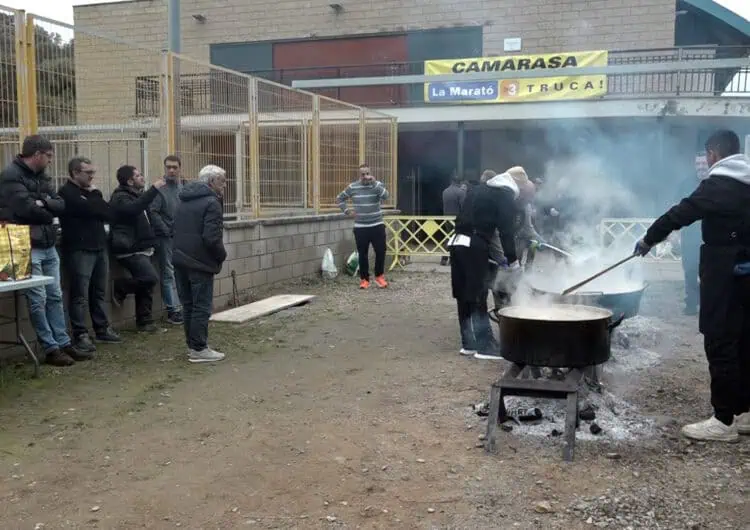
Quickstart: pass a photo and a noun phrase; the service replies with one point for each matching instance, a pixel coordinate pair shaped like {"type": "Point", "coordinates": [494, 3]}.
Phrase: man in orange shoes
{"type": "Point", "coordinates": [366, 195]}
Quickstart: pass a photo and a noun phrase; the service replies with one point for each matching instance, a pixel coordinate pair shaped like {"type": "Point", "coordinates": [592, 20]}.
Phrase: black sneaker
{"type": "Point", "coordinates": [108, 336]}
{"type": "Point", "coordinates": [175, 318]}
{"type": "Point", "coordinates": [58, 358]}
{"type": "Point", "coordinates": [84, 344]}
{"type": "Point", "coordinates": [76, 354]}
{"type": "Point", "coordinates": [146, 328]}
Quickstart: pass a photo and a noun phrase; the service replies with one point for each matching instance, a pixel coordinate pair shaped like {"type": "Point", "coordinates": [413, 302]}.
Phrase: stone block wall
{"type": "Point", "coordinates": [259, 253]}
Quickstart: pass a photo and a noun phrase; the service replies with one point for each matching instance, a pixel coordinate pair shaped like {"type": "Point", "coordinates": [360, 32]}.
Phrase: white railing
{"type": "Point", "coordinates": [624, 232]}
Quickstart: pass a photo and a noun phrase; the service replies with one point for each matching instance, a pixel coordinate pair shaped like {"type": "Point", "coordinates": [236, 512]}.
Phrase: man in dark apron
{"type": "Point", "coordinates": [487, 207]}
{"type": "Point", "coordinates": [722, 202]}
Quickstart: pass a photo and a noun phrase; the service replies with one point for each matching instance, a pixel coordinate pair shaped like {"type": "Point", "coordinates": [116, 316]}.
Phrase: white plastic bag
{"type": "Point", "coordinates": [328, 268]}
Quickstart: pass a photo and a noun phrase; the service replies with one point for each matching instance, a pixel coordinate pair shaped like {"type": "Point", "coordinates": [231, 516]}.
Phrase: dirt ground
{"type": "Point", "coordinates": [351, 412]}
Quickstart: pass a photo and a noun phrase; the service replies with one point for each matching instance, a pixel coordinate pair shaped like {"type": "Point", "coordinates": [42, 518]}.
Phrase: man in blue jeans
{"type": "Point", "coordinates": [27, 197]}
{"type": "Point", "coordinates": [199, 255]}
{"type": "Point", "coordinates": [162, 213]}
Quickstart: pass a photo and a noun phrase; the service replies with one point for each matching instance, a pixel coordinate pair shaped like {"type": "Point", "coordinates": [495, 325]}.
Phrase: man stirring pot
{"type": "Point", "coordinates": [721, 202]}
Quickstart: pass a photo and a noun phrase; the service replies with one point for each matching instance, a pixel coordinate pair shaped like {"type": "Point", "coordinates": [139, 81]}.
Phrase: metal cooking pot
{"type": "Point", "coordinates": [627, 304]}
{"type": "Point", "coordinates": [558, 336]}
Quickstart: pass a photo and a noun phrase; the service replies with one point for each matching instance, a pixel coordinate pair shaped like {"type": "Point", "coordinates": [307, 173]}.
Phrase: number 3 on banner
{"type": "Point", "coordinates": [509, 89]}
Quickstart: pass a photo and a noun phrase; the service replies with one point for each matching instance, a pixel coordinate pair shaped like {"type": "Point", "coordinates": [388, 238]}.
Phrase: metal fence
{"type": "Point", "coordinates": [285, 151]}
{"type": "Point", "coordinates": [698, 82]}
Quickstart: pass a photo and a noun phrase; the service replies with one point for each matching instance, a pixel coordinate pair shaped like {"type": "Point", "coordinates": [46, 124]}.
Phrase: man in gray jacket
{"type": "Point", "coordinates": [453, 198]}
{"type": "Point", "coordinates": [162, 214]}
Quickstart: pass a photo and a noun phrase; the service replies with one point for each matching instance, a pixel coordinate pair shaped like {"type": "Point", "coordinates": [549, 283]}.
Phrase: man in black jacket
{"type": "Point", "coordinates": [487, 207]}
{"type": "Point", "coordinates": [721, 202]}
{"type": "Point", "coordinates": [27, 197]}
{"type": "Point", "coordinates": [198, 256]}
{"type": "Point", "coordinates": [161, 213]}
{"type": "Point", "coordinates": [84, 245]}
{"type": "Point", "coordinates": [132, 241]}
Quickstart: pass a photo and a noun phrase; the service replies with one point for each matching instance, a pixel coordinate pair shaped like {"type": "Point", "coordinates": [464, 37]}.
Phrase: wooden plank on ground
{"type": "Point", "coordinates": [261, 308]}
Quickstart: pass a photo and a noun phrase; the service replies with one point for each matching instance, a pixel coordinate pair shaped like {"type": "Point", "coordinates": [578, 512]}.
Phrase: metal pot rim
{"type": "Point", "coordinates": [595, 313]}
{"type": "Point", "coordinates": [590, 293]}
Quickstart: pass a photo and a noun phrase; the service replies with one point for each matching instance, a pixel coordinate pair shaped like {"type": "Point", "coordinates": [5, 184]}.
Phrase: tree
{"type": "Point", "coordinates": [55, 76]}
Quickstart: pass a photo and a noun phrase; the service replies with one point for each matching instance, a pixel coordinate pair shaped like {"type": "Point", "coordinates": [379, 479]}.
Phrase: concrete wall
{"type": "Point", "coordinates": [260, 253]}
{"type": "Point", "coordinates": [109, 70]}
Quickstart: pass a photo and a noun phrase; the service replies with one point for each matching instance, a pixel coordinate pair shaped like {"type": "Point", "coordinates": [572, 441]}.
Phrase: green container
{"type": "Point", "coordinates": [352, 264]}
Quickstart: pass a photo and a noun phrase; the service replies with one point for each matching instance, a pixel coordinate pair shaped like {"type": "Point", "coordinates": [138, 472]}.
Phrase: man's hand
{"type": "Point", "coordinates": [40, 203]}
{"type": "Point", "coordinates": [349, 212]}
{"type": "Point", "coordinates": [553, 212]}
{"type": "Point", "coordinates": [160, 183]}
{"type": "Point", "coordinates": [641, 248]}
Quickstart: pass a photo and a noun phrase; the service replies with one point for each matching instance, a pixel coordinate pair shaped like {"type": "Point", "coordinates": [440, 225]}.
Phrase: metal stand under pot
{"type": "Point", "coordinates": [572, 337]}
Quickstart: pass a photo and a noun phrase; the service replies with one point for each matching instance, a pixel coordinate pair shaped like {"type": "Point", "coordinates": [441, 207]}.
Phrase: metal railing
{"type": "Point", "coordinates": [420, 235]}
{"type": "Point", "coordinates": [687, 83]}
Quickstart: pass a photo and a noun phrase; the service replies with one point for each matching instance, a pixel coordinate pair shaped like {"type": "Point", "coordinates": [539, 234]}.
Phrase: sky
{"type": "Point", "coordinates": [62, 10]}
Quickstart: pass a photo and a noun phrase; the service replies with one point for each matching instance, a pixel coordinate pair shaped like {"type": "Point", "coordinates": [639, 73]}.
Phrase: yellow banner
{"type": "Point", "coordinates": [557, 88]}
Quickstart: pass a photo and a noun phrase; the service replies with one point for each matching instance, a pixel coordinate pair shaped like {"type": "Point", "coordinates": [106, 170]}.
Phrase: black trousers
{"type": "Point", "coordinates": [87, 271]}
{"type": "Point", "coordinates": [364, 237]}
{"type": "Point", "coordinates": [196, 292]}
{"type": "Point", "coordinates": [143, 279]}
{"type": "Point", "coordinates": [728, 358]}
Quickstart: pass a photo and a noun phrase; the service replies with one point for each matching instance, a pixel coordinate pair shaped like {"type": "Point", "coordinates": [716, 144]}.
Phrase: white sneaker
{"type": "Point", "coordinates": [205, 356]}
{"type": "Point", "coordinates": [467, 353]}
{"type": "Point", "coordinates": [488, 356]}
{"type": "Point", "coordinates": [711, 430]}
{"type": "Point", "coordinates": [743, 423]}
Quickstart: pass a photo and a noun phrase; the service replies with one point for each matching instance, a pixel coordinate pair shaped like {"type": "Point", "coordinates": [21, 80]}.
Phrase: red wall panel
{"type": "Point", "coordinates": [300, 60]}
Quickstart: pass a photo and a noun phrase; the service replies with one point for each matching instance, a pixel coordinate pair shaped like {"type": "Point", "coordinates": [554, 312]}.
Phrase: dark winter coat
{"type": "Point", "coordinates": [162, 210]}
{"type": "Point", "coordinates": [721, 202]}
{"type": "Point", "coordinates": [489, 207]}
{"type": "Point", "coordinates": [83, 221]}
{"type": "Point", "coordinates": [20, 188]}
{"type": "Point", "coordinates": [131, 232]}
{"type": "Point", "coordinates": [199, 230]}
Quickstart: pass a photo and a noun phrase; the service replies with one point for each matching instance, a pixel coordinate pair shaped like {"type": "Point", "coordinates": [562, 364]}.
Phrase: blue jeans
{"type": "Point", "coordinates": [46, 309]}
{"type": "Point", "coordinates": [166, 270]}
{"type": "Point", "coordinates": [196, 290]}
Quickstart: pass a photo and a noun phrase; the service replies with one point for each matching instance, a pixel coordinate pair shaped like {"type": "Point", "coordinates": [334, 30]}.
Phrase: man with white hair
{"type": "Point", "coordinates": [198, 256]}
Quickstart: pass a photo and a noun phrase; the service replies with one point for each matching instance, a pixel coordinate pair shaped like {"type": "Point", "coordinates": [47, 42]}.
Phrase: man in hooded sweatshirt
{"type": "Point", "coordinates": [488, 207]}
{"type": "Point", "coordinates": [198, 256]}
{"type": "Point", "coordinates": [721, 203]}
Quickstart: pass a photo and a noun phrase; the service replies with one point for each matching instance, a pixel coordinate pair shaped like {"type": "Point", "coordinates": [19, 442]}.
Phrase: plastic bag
{"type": "Point", "coordinates": [328, 268]}
{"type": "Point", "coordinates": [352, 264]}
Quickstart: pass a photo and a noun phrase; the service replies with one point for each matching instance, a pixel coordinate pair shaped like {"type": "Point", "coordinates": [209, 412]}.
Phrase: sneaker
{"type": "Point", "coordinates": [175, 318]}
{"type": "Point", "coordinates": [59, 358]}
{"type": "Point", "coordinates": [743, 423]}
{"type": "Point", "coordinates": [380, 281]}
{"type": "Point", "coordinates": [108, 336]}
{"type": "Point", "coordinates": [146, 328]}
{"type": "Point", "coordinates": [207, 355]}
{"type": "Point", "coordinates": [364, 284]}
{"type": "Point", "coordinates": [83, 343]}
{"type": "Point", "coordinates": [488, 356]}
{"type": "Point", "coordinates": [77, 354]}
{"type": "Point", "coordinates": [467, 353]}
{"type": "Point", "coordinates": [711, 430]}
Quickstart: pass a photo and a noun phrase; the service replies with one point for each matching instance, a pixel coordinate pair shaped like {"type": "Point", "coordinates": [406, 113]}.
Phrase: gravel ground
{"type": "Point", "coordinates": [355, 411]}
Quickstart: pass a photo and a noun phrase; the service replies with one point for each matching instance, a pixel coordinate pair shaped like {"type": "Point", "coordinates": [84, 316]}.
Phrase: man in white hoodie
{"type": "Point", "coordinates": [721, 203]}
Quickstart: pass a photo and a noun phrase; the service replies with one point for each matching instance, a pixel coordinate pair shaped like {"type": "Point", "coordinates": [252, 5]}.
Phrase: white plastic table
{"type": "Point", "coordinates": [16, 287]}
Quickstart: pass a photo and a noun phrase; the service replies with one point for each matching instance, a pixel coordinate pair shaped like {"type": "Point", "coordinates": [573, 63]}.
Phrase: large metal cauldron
{"type": "Point", "coordinates": [625, 303]}
{"type": "Point", "coordinates": [557, 336]}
